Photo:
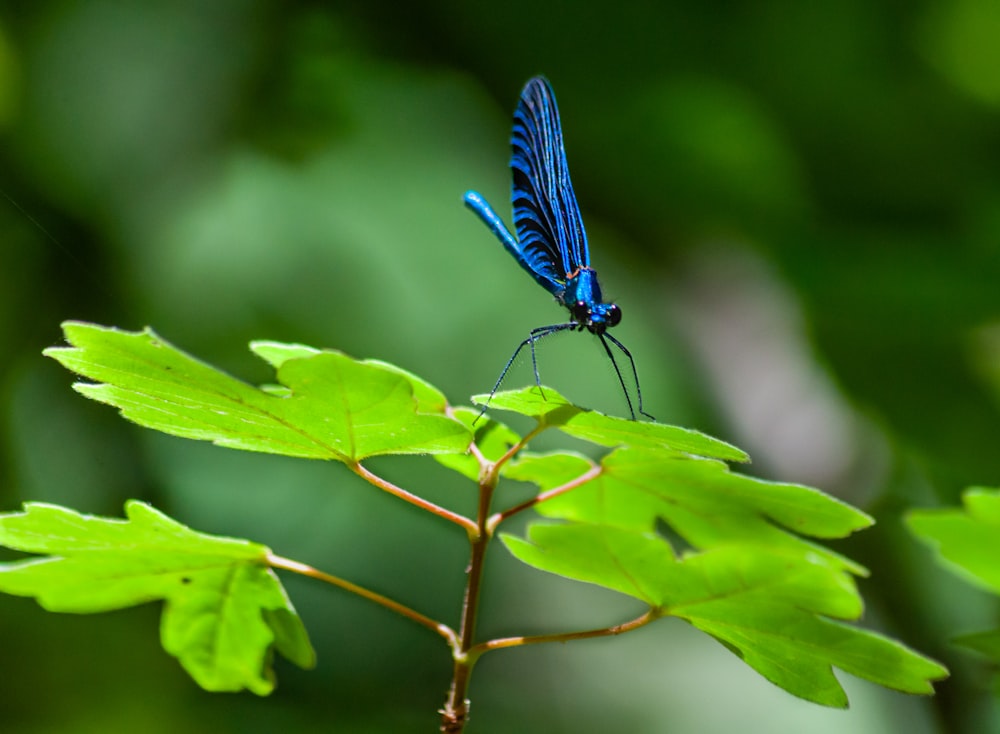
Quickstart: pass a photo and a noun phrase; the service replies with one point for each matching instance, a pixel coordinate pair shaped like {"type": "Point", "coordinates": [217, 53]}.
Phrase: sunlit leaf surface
{"type": "Point", "coordinates": [329, 406]}
{"type": "Point", "coordinates": [224, 609]}
{"type": "Point", "coordinates": [552, 409]}
{"type": "Point", "coordinates": [775, 610]}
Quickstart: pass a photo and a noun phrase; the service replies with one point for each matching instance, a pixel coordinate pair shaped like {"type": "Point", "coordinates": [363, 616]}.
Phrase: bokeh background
{"type": "Point", "coordinates": [797, 206]}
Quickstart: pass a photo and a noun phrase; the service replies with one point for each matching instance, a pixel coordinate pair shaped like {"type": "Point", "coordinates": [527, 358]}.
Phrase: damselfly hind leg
{"type": "Point", "coordinates": [635, 374]}
{"type": "Point", "coordinates": [533, 337]}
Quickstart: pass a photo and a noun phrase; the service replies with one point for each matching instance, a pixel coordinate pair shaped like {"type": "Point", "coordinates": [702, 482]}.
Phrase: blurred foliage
{"type": "Point", "coordinates": [248, 169]}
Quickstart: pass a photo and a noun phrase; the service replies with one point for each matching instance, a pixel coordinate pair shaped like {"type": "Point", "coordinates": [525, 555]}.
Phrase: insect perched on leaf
{"type": "Point", "coordinates": [551, 242]}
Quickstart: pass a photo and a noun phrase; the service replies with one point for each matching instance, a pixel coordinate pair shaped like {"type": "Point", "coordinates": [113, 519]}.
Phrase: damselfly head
{"type": "Point", "coordinates": [596, 317]}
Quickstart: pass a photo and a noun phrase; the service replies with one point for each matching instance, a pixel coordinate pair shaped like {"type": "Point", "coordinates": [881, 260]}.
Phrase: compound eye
{"type": "Point", "coordinates": [614, 315]}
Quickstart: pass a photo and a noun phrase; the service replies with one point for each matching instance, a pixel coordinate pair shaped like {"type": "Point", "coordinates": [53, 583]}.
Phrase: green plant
{"type": "Point", "coordinates": [967, 540]}
{"type": "Point", "coordinates": [739, 564]}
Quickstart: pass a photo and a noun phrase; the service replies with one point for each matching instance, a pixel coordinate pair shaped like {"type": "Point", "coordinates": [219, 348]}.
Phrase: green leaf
{"type": "Point", "coordinates": [758, 586]}
{"type": "Point", "coordinates": [224, 610]}
{"type": "Point", "coordinates": [277, 353]}
{"type": "Point", "coordinates": [492, 438]}
{"type": "Point", "coordinates": [967, 540]}
{"type": "Point", "coordinates": [329, 406]}
{"type": "Point", "coordinates": [700, 499]}
{"type": "Point", "coordinates": [552, 409]}
{"type": "Point", "coordinates": [770, 608]}
{"type": "Point", "coordinates": [533, 402]}
{"type": "Point", "coordinates": [429, 398]}
{"type": "Point", "coordinates": [549, 470]}
{"type": "Point", "coordinates": [610, 431]}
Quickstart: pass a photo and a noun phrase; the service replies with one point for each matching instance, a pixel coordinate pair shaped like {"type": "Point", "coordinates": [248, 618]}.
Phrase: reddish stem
{"type": "Point", "coordinates": [456, 708]}
{"type": "Point", "coordinates": [461, 520]}
{"type": "Point", "coordinates": [301, 568]}
{"type": "Point", "coordinates": [650, 616]}
{"type": "Point", "coordinates": [499, 517]}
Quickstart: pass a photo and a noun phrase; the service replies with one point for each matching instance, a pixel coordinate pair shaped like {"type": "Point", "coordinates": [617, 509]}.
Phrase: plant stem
{"type": "Point", "coordinates": [455, 713]}
{"type": "Point", "coordinates": [301, 568]}
{"type": "Point", "coordinates": [650, 616]}
{"type": "Point", "coordinates": [517, 448]}
{"type": "Point", "coordinates": [456, 708]}
{"type": "Point", "coordinates": [462, 521]}
{"type": "Point", "coordinates": [499, 517]}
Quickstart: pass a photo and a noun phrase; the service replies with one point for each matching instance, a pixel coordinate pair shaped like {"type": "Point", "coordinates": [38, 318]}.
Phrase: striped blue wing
{"type": "Point", "coordinates": [546, 216]}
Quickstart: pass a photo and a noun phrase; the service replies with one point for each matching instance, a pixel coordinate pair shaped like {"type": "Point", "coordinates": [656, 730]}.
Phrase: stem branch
{"type": "Point", "coordinates": [500, 643]}
{"type": "Point", "coordinates": [301, 568]}
{"type": "Point", "coordinates": [461, 520]}
{"type": "Point", "coordinates": [499, 517]}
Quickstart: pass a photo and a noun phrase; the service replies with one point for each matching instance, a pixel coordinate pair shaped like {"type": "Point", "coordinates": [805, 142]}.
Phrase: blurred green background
{"type": "Point", "coordinates": [796, 204]}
